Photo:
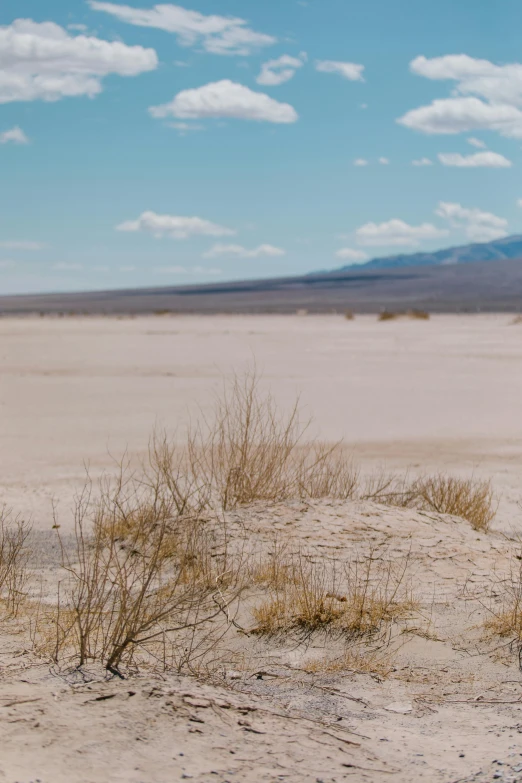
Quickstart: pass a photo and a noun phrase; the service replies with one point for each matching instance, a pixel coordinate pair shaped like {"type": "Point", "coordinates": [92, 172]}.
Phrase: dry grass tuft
{"type": "Point", "coordinates": [470, 499]}
{"type": "Point", "coordinates": [316, 594]}
{"type": "Point", "coordinates": [386, 315]}
{"type": "Point", "coordinates": [516, 320]}
{"type": "Point", "coordinates": [364, 662]}
{"type": "Point", "coordinates": [418, 315]}
{"type": "Point", "coordinates": [14, 532]}
{"type": "Point", "coordinates": [249, 451]}
{"type": "Point", "coordinates": [349, 315]}
{"type": "Point", "coordinates": [506, 620]}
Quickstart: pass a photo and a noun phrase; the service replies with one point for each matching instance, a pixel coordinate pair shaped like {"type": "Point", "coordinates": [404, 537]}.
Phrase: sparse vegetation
{"type": "Point", "coordinates": [14, 532]}
{"type": "Point", "coordinates": [419, 315]}
{"type": "Point", "coordinates": [145, 579]}
{"type": "Point", "coordinates": [505, 617]}
{"type": "Point", "coordinates": [311, 593]}
{"type": "Point", "coordinates": [349, 315]}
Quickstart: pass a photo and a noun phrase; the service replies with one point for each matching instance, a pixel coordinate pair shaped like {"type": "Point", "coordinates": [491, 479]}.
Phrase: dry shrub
{"type": "Point", "coordinates": [386, 315]}
{"type": "Point", "coordinates": [143, 581]}
{"type": "Point", "coordinates": [506, 620]}
{"type": "Point", "coordinates": [14, 532]}
{"type": "Point", "coordinates": [349, 316]}
{"type": "Point", "coordinates": [516, 320]}
{"type": "Point", "coordinates": [315, 594]}
{"type": "Point", "coordinates": [470, 499]}
{"type": "Point", "coordinates": [418, 315]}
{"type": "Point", "coordinates": [250, 451]}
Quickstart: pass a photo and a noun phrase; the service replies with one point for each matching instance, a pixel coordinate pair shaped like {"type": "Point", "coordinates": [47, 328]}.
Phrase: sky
{"type": "Point", "coordinates": [150, 145]}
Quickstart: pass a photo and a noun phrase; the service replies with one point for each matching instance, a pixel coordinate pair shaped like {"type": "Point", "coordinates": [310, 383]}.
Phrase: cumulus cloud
{"type": "Point", "coordinates": [396, 232]}
{"type": "Point", "coordinates": [422, 162]}
{"type": "Point", "coordinates": [384, 161]}
{"type": "Point", "coordinates": [355, 256]}
{"type": "Point", "coordinates": [216, 34]}
{"type": "Point", "coordinates": [14, 136]}
{"type": "Point", "coordinates": [478, 225]}
{"type": "Point", "coordinates": [225, 99]}
{"type": "Point", "coordinates": [486, 96]}
{"type": "Point", "coordinates": [480, 145]}
{"type": "Point", "coordinates": [174, 226]}
{"type": "Point", "coordinates": [41, 61]}
{"type": "Point", "coordinates": [275, 72]}
{"type": "Point", "coordinates": [488, 160]}
{"type": "Point", "coordinates": [238, 251]}
{"type": "Point", "coordinates": [360, 162]}
{"type": "Point", "coordinates": [351, 71]}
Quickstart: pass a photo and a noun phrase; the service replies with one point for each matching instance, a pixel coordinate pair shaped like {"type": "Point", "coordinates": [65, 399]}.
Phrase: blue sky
{"type": "Point", "coordinates": [225, 139]}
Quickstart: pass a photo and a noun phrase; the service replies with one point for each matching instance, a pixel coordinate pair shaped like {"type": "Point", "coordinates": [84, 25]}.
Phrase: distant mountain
{"type": "Point", "coordinates": [498, 250]}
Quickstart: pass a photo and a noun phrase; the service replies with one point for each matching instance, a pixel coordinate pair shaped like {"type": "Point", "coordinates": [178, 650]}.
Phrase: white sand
{"type": "Point", "coordinates": [443, 394]}
{"type": "Point", "coordinates": [439, 395]}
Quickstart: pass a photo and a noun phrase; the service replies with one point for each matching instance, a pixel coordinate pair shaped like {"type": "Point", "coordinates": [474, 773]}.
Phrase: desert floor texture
{"type": "Point", "coordinates": [443, 395]}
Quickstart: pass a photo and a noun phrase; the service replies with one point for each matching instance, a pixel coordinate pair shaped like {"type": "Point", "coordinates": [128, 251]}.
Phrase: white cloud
{"type": "Point", "coordinates": [225, 99]}
{"type": "Point", "coordinates": [238, 251]}
{"type": "Point", "coordinates": [519, 202]}
{"type": "Point", "coordinates": [360, 162]}
{"type": "Point", "coordinates": [489, 160]}
{"type": "Point", "coordinates": [22, 245]}
{"type": "Point", "coordinates": [396, 232]}
{"type": "Point", "coordinates": [351, 71]}
{"type": "Point", "coordinates": [458, 115]}
{"type": "Point", "coordinates": [487, 96]}
{"type": "Point", "coordinates": [6, 263]}
{"type": "Point", "coordinates": [275, 72]}
{"type": "Point", "coordinates": [384, 161]}
{"type": "Point", "coordinates": [422, 162]}
{"type": "Point", "coordinates": [216, 34]}
{"type": "Point", "coordinates": [478, 225]}
{"type": "Point", "coordinates": [356, 256]}
{"type": "Point", "coordinates": [41, 61]}
{"type": "Point", "coordinates": [14, 136]}
{"type": "Point", "coordinates": [174, 226]}
{"type": "Point", "coordinates": [480, 145]}
{"type": "Point", "coordinates": [126, 268]}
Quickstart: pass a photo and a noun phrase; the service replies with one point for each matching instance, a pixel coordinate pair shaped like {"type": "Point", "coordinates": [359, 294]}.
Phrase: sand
{"type": "Point", "coordinates": [438, 395]}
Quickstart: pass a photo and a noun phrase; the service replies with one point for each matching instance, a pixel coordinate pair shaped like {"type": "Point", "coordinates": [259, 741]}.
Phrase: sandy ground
{"type": "Point", "coordinates": [441, 395]}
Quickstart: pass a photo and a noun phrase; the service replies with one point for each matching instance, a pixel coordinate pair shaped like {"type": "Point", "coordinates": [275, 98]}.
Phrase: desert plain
{"type": "Point", "coordinates": [434, 696]}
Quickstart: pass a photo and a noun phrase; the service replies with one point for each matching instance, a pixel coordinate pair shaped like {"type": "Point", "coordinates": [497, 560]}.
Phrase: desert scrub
{"type": "Point", "coordinates": [144, 584]}
{"type": "Point", "coordinates": [312, 593]}
{"type": "Point", "coordinates": [471, 499]}
{"type": "Point", "coordinates": [505, 619]}
{"type": "Point", "coordinates": [248, 450]}
{"type": "Point", "coordinates": [14, 553]}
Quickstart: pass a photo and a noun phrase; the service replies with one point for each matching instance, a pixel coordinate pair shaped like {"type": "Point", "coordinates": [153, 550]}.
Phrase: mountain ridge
{"type": "Point", "coordinates": [497, 250]}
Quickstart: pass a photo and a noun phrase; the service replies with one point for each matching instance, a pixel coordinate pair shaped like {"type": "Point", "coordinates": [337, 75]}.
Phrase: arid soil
{"type": "Point", "coordinates": [441, 700]}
